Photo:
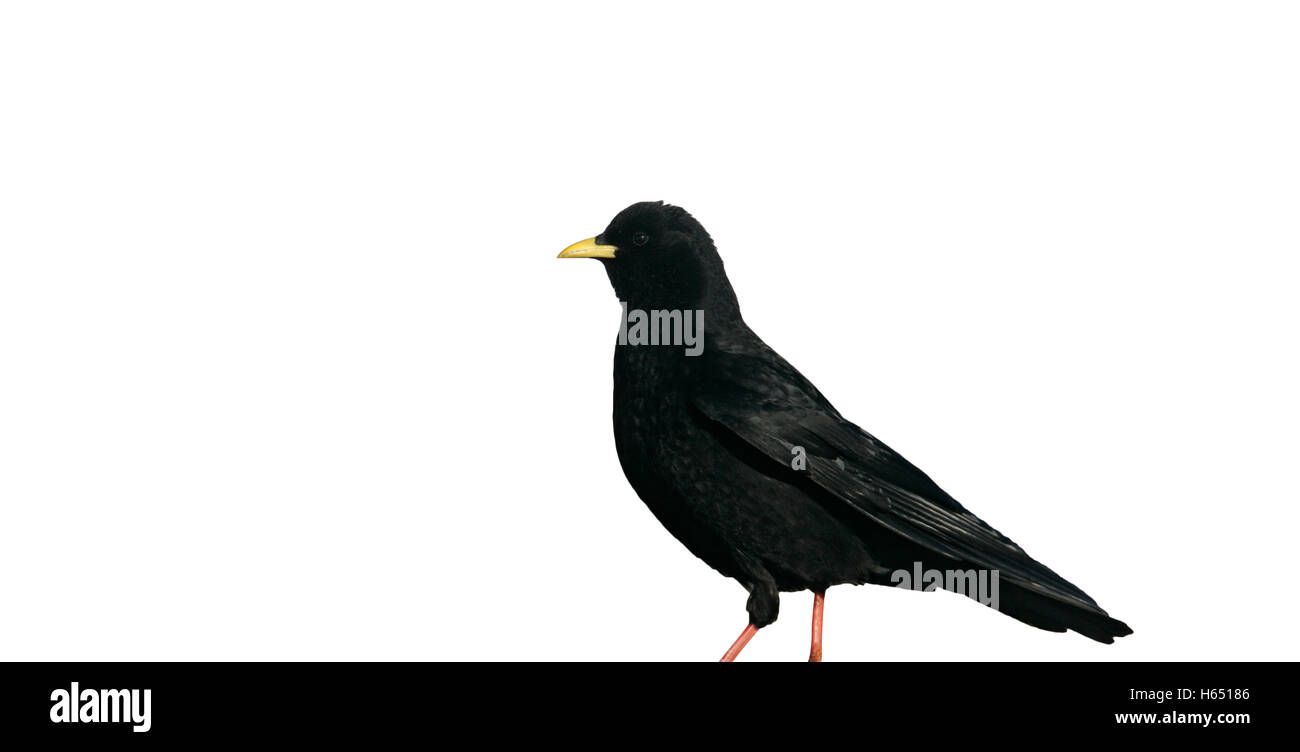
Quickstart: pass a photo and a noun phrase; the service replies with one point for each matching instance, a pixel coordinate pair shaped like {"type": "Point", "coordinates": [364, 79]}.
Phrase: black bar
{"type": "Point", "coordinates": [305, 701]}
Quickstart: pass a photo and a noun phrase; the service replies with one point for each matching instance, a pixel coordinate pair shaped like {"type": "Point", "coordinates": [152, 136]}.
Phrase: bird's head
{"type": "Point", "coordinates": [658, 256]}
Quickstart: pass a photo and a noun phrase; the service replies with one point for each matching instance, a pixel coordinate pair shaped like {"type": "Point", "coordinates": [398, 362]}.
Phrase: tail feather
{"type": "Point", "coordinates": [1056, 616]}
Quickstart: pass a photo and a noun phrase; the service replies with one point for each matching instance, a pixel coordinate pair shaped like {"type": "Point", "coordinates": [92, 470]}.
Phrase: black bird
{"type": "Point", "coordinates": [711, 438]}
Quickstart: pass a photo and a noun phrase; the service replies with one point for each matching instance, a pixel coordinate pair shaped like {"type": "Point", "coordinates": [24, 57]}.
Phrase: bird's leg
{"type": "Point", "coordinates": [819, 601]}
{"type": "Point", "coordinates": [739, 644]}
{"type": "Point", "coordinates": [763, 604]}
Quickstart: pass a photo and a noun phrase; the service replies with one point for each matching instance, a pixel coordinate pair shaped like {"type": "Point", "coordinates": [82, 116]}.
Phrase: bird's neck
{"type": "Point", "coordinates": [699, 287]}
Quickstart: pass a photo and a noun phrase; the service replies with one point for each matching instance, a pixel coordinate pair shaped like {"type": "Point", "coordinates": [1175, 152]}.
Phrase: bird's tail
{"type": "Point", "coordinates": [1055, 615]}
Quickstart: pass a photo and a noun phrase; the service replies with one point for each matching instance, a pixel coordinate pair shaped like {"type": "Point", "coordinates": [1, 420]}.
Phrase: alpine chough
{"type": "Point", "coordinates": [752, 469]}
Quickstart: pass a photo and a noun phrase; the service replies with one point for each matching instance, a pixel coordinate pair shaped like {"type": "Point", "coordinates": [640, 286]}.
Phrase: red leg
{"type": "Point", "coordinates": [819, 601]}
{"type": "Point", "coordinates": [739, 644]}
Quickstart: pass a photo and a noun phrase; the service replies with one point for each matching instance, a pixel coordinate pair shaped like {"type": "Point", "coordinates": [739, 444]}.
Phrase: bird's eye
{"type": "Point", "coordinates": [640, 239]}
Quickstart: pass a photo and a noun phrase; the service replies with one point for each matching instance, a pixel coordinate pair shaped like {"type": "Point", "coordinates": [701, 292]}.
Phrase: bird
{"type": "Point", "coordinates": [750, 467]}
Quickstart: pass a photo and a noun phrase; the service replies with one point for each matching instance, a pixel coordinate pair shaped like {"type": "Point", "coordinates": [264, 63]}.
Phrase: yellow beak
{"type": "Point", "coordinates": [588, 249]}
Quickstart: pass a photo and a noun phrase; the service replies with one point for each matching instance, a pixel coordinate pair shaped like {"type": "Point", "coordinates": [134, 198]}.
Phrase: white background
{"type": "Point", "coordinates": [289, 369]}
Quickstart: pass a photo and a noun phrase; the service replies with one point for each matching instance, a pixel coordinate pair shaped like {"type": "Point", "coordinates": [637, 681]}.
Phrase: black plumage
{"type": "Point", "coordinates": [707, 442]}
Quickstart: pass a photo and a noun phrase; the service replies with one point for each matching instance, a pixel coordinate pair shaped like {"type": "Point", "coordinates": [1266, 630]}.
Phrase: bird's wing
{"type": "Point", "coordinates": [763, 400]}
